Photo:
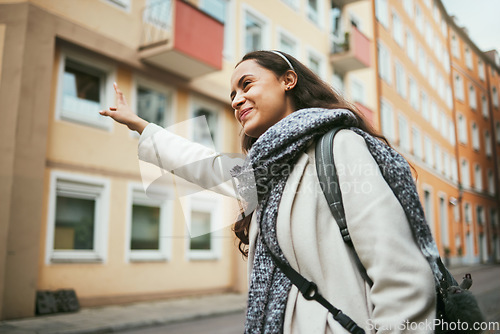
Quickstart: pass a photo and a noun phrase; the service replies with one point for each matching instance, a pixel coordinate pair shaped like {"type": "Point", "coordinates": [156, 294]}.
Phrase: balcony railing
{"type": "Point", "coordinates": [182, 39]}
{"type": "Point", "coordinates": [353, 53]}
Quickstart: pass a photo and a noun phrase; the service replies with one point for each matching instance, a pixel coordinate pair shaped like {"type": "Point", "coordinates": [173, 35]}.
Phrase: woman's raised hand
{"type": "Point", "coordinates": [123, 114]}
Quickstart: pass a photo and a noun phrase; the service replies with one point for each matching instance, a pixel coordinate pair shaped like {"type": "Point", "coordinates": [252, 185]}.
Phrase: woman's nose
{"type": "Point", "coordinates": [237, 101]}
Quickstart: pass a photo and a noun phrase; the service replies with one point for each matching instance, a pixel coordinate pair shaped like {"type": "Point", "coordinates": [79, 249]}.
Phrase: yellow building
{"type": "Point", "coordinates": [73, 211]}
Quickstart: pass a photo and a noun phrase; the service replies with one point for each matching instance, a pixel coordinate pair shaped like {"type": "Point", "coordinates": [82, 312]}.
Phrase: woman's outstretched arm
{"type": "Point", "coordinates": [123, 114]}
{"type": "Point", "coordinates": [188, 160]}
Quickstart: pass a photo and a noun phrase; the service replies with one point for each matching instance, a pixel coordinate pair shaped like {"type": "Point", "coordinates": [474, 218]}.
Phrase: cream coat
{"type": "Point", "coordinates": [402, 297]}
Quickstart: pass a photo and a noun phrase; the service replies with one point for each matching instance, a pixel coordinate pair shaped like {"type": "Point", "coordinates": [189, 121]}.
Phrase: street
{"type": "Point", "coordinates": [486, 287]}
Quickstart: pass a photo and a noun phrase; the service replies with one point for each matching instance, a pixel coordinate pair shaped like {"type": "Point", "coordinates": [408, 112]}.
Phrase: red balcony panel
{"type": "Point", "coordinates": [354, 54]}
{"type": "Point", "coordinates": [189, 43]}
{"type": "Point", "coordinates": [198, 35]}
{"type": "Point", "coordinates": [366, 112]}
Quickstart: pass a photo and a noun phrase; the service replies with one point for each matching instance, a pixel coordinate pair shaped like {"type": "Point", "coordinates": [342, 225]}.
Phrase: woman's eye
{"type": "Point", "coordinates": [246, 83]}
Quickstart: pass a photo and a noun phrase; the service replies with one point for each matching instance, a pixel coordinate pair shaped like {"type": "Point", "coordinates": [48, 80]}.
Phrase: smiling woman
{"type": "Point", "coordinates": [284, 109]}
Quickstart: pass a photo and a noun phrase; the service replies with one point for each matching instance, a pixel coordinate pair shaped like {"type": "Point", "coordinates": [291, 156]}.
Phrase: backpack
{"type": "Point", "coordinates": [455, 304]}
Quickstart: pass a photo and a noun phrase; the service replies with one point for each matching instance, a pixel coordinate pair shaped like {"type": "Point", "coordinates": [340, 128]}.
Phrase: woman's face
{"type": "Point", "coordinates": [258, 97]}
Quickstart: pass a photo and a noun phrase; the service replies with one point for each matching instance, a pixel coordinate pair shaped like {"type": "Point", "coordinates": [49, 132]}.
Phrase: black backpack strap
{"type": "Point", "coordinates": [309, 290]}
{"type": "Point", "coordinates": [329, 182]}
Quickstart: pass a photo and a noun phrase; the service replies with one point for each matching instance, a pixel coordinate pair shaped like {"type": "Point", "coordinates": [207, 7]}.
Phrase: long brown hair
{"type": "Point", "coordinates": [310, 91]}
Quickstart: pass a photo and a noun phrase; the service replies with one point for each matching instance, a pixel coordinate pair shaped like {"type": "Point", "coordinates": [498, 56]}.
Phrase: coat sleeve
{"type": "Point", "coordinates": [403, 292]}
{"type": "Point", "coordinates": [191, 161]}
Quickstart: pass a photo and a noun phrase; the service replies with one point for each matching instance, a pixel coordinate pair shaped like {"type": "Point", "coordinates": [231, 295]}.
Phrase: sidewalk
{"type": "Point", "coordinates": [110, 319]}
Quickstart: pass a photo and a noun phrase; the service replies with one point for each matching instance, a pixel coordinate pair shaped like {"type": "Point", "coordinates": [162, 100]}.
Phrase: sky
{"type": "Point", "coordinates": [481, 18]}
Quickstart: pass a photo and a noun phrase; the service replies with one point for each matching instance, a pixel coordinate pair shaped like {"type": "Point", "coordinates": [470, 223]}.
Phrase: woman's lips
{"type": "Point", "coordinates": [245, 112]}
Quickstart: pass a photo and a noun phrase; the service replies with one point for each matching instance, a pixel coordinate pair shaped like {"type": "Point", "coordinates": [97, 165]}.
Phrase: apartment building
{"type": "Point", "coordinates": [74, 204]}
{"type": "Point", "coordinates": [434, 107]}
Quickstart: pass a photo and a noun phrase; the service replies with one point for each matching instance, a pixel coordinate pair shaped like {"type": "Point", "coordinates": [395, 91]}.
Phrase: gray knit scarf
{"type": "Point", "coordinates": [279, 147]}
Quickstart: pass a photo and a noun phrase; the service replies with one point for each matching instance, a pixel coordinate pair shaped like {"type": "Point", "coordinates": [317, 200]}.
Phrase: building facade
{"type": "Point", "coordinates": [74, 212]}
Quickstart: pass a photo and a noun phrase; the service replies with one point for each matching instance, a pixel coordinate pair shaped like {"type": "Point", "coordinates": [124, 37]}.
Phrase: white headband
{"type": "Point", "coordinates": [284, 58]}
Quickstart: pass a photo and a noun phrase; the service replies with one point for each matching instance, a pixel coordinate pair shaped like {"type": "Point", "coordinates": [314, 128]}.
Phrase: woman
{"type": "Point", "coordinates": [284, 108]}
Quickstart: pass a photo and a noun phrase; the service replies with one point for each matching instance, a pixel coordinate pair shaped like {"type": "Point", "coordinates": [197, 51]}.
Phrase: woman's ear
{"type": "Point", "coordinates": [290, 79]}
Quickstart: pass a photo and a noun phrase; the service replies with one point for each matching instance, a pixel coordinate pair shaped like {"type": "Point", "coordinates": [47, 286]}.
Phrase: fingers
{"type": "Point", "coordinates": [119, 94]}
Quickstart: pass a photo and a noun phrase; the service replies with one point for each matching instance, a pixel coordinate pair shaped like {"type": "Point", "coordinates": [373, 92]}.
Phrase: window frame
{"type": "Point", "coordinates": [282, 32]}
{"type": "Point", "coordinates": [79, 186]}
{"type": "Point", "coordinates": [106, 90]}
{"type": "Point", "coordinates": [266, 30]}
{"type": "Point", "coordinates": [170, 94]}
{"type": "Point", "coordinates": [136, 195]}
{"type": "Point", "coordinates": [196, 101]}
{"type": "Point", "coordinates": [206, 202]}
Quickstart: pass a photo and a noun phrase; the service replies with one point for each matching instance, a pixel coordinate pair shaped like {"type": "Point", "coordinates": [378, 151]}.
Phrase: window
{"type": "Point", "coordinates": [467, 213]}
{"type": "Point", "coordinates": [439, 158]}
{"type": "Point", "coordinates": [419, 18]}
{"type": "Point", "coordinates": [475, 136]}
{"type": "Point", "coordinates": [397, 28]}
{"type": "Point", "coordinates": [459, 87]}
{"type": "Point", "coordinates": [443, 221]}
{"type": "Point", "coordinates": [455, 47]}
{"type": "Point", "coordinates": [472, 97]}
{"type": "Point", "coordinates": [404, 133]}
{"type": "Point", "coordinates": [357, 91]}
{"type": "Point", "coordinates": [255, 31]}
{"type": "Point", "coordinates": [428, 33]}
{"type": "Point", "coordinates": [468, 58]}
{"type": "Point", "coordinates": [315, 62]}
{"type": "Point", "coordinates": [153, 102]}
{"type": "Point", "coordinates": [491, 182]}
{"type": "Point", "coordinates": [495, 96]}
{"type": "Point", "coordinates": [384, 63]}
{"type": "Point", "coordinates": [287, 43]}
{"type": "Point", "coordinates": [480, 67]}
{"type": "Point", "coordinates": [443, 124]}
{"type": "Point", "coordinates": [444, 28]}
{"type": "Point", "coordinates": [424, 104]}
{"type": "Point", "coordinates": [77, 222]}
{"type": "Point", "coordinates": [150, 221]}
{"type": "Point", "coordinates": [478, 178]}
{"type": "Point", "coordinates": [441, 88]}
{"type": "Point", "coordinates": [413, 94]}
{"type": "Point", "coordinates": [408, 6]}
{"type": "Point", "coordinates": [417, 143]}
{"type": "Point", "coordinates": [314, 11]}
{"type": "Point", "coordinates": [410, 46]}
{"type": "Point", "coordinates": [465, 173]}
{"type": "Point", "coordinates": [435, 115]}
{"type": "Point", "coordinates": [484, 107]}
{"type": "Point", "coordinates": [462, 129]}
{"type": "Point", "coordinates": [446, 163]}
{"type": "Point", "coordinates": [221, 10]}
{"type": "Point", "coordinates": [422, 61]}
{"type": "Point", "coordinates": [487, 143]}
{"type": "Point", "coordinates": [382, 12]}
{"type": "Point", "coordinates": [203, 215]}
{"type": "Point", "coordinates": [429, 157]}
{"type": "Point", "coordinates": [446, 61]}
{"type": "Point", "coordinates": [480, 215]}
{"type": "Point", "coordinates": [432, 75]}
{"type": "Point", "coordinates": [400, 80]}
{"type": "Point", "coordinates": [387, 118]}
{"type": "Point", "coordinates": [205, 130]}
{"type": "Point", "coordinates": [84, 89]}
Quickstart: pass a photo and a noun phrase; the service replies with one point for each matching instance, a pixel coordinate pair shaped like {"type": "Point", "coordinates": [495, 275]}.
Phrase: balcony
{"type": "Point", "coordinates": [182, 39]}
{"type": "Point", "coordinates": [353, 53]}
